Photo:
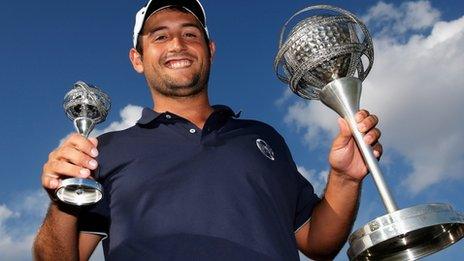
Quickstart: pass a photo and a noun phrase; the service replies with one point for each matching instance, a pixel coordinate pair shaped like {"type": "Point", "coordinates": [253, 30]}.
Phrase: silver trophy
{"type": "Point", "coordinates": [85, 105]}
{"type": "Point", "coordinates": [323, 58]}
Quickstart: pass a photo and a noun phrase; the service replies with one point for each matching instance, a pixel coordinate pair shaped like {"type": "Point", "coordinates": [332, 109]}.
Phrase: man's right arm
{"type": "Point", "coordinates": [58, 237]}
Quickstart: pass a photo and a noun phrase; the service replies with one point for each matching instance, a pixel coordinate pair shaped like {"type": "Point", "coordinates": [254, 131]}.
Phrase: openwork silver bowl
{"type": "Point", "coordinates": [88, 101]}
{"type": "Point", "coordinates": [322, 48]}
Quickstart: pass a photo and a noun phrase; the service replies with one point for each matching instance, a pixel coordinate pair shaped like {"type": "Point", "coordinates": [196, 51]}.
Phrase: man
{"type": "Point", "coordinates": [190, 180]}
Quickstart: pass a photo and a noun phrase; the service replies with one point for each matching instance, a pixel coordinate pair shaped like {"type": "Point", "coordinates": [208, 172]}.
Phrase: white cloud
{"type": "Point", "coordinates": [408, 16]}
{"type": "Point", "coordinates": [416, 88]}
{"type": "Point", "coordinates": [315, 119]}
{"type": "Point", "coordinates": [317, 179]}
{"type": "Point", "coordinates": [285, 97]}
{"type": "Point", "coordinates": [19, 222]}
{"type": "Point", "coordinates": [5, 213]}
{"type": "Point", "coordinates": [129, 116]}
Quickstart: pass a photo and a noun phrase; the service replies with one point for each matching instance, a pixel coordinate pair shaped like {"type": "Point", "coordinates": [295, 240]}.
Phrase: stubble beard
{"type": "Point", "coordinates": [169, 86]}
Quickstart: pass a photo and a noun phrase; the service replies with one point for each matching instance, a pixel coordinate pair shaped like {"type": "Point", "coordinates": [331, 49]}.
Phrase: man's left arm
{"type": "Point", "coordinates": [333, 217]}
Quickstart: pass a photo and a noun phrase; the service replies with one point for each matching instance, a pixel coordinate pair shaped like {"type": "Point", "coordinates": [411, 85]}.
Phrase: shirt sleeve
{"type": "Point", "coordinates": [95, 219]}
{"type": "Point", "coordinates": [306, 201]}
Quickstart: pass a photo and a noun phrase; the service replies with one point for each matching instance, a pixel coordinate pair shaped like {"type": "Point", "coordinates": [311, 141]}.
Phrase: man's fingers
{"type": "Point", "coordinates": [74, 158]}
{"type": "Point", "coordinates": [78, 158]}
{"type": "Point", "coordinates": [378, 150]}
{"type": "Point", "coordinates": [372, 136]}
{"type": "Point", "coordinates": [344, 136]}
{"type": "Point", "coordinates": [368, 123]}
{"type": "Point", "coordinates": [94, 141]}
{"type": "Point", "coordinates": [345, 130]}
{"type": "Point", "coordinates": [81, 143]}
{"type": "Point", "coordinates": [361, 115]}
{"type": "Point", "coordinates": [50, 181]}
{"type": "Point", "coordinates": [64, 168]}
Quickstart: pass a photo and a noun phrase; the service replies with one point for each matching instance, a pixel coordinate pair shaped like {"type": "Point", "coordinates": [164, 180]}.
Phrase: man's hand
{"type": "Point", "coordinates": [332, 219]}
{"type": "Point", "coordinates": [74, 158]}
{"type": "Point", "coordinates": [58, 237]}
{"type": "Point", "coordinates": [345, 158]}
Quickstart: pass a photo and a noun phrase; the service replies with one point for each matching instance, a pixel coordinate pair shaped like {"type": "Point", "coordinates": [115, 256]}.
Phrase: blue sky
{"type": "Point", "coordinates": [416, 88]}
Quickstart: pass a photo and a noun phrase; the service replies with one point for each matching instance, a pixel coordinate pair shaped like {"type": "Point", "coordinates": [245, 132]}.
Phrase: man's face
{"type": "Point", "coordinates": [176, 59]}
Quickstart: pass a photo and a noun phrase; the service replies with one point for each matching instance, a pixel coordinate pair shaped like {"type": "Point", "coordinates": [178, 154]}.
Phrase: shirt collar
{"type": "Point", "coordinates": [149, 115]}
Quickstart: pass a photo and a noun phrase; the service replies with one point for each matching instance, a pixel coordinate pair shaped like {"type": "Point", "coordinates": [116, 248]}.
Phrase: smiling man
{"type": "Point", "coordinates": [191, 180]}
{"type": "Point", "coordinates": [176, 58]}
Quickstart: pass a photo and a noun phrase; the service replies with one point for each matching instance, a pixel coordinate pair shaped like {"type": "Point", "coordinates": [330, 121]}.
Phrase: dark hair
{"type": "Point", "coordinates": [139, 46]}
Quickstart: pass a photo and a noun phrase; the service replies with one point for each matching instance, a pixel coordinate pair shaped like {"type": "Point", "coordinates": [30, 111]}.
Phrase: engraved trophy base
{"type": "Point", "coordinates": [79, 192]}
{"type": "Point", "coordinates": [407, 234]}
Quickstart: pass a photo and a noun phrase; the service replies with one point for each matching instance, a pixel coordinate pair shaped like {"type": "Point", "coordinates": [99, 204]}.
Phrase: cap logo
{"type": "Point", "coordinates": [265, 149]}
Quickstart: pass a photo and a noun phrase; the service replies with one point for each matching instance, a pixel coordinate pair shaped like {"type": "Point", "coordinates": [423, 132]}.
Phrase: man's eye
{"type": "Point", "coordinates": [160, 38]}
{"type": "Point", "coordinates": [157, 37]}
{"type": "Point", "coordinates": [190, 35]}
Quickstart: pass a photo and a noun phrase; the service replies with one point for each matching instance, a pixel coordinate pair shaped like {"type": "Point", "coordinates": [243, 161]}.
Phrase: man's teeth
{"type": "Point", "coordinates": [179, 64]}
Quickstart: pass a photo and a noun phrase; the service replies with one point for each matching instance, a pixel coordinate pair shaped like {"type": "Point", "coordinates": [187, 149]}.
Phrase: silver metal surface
{"type": "Point", "coordinates": [322, 48]}
{"type": "Point", "coordinates": [85, 105]}
{"type": "Point", "coordinates": [79, 192]}
{"type": "Point", "coordinates": [407, 234]}
{"type": "Point", "coordinates": [322, 58]}
{"type": "Point", "coordinates": [343, 95]}
{"type": "Point", "coordinates": [86, 102]}
{"type": "Point", "coordinates": [319, 59]}
{"type": "Point", "coordinates": [84, 125]}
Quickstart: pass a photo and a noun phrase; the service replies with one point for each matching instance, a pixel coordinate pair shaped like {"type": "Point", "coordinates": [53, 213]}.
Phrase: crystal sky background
{"type": "Point", "coordinates": [416, 88]}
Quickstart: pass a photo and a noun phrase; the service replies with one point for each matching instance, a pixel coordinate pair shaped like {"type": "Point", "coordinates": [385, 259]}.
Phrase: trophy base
{"type": "Point", "coordinates": [407, 234]}
{"type": "Point", "coordinates": [79, 192]}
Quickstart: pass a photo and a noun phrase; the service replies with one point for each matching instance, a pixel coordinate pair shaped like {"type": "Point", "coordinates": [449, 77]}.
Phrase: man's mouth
{"type": "Point", "coordinates": [178, 63]}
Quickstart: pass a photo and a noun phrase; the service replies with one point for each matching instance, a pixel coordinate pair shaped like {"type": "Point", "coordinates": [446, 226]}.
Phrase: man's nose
{"type": "Point", "coordinates": [177, 44]}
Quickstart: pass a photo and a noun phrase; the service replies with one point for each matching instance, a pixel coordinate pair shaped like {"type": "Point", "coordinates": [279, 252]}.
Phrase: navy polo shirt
{"type": "Point", "coordinates": [229, 191]}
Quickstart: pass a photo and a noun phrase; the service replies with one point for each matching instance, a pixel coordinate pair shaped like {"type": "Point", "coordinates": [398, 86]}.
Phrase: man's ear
{"type": "Point", "coordinates": [212, 49]}
{"type": "Point", "coordinates": [136, 60]}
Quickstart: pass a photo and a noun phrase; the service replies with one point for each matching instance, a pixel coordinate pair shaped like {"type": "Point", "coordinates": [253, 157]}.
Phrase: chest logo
{"type": "Point", "coordinates": [265, 149]}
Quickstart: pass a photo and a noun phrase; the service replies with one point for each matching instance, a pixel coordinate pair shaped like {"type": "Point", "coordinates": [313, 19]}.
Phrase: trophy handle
{"type": "Point", "coordinates": [343, 95]}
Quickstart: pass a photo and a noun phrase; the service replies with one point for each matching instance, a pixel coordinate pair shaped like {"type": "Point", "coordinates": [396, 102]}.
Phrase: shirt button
{"type": "Point", "coordinates": [192, 131]}
{"type": "Point", "coordinates": [168, 116]}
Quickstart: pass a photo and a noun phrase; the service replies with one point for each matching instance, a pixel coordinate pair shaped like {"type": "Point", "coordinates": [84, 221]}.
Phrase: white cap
{"type": "Point", "coordinates": [153, 6]}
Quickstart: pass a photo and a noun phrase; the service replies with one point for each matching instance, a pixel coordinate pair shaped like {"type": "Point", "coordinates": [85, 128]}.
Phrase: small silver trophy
{"type": "Point", "coordinates": [85, 105]}
{"type": "Point", "coordinates": [322, 59]}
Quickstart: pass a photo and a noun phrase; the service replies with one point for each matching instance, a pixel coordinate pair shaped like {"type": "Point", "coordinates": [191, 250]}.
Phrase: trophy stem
{"type": "Point", "coordinates": [343, 95]}
{"type": "Point", "coordinates": [84, 125]}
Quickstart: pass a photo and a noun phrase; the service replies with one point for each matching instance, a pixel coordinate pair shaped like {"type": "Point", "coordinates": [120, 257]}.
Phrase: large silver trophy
{"type": "Point", "coordinates": [323, 58]}
{"type": "Point", "coordinates": [85, 105]}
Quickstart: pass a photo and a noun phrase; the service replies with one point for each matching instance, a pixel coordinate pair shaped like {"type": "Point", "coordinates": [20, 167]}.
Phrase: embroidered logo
{"type": "Point", "coordinates": [265, 149]}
